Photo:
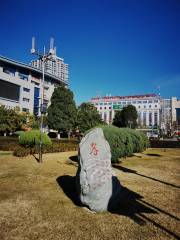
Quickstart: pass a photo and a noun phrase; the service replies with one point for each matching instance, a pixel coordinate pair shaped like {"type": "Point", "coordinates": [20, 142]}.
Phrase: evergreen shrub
{"type": "Point", "coordinates": [32, 138]}
{"type": "Point", "coordinates": [124, 141]}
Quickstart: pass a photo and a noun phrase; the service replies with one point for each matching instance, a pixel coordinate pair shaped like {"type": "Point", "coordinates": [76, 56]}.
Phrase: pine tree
{"type": "Point", "coordinates": [62, 111]}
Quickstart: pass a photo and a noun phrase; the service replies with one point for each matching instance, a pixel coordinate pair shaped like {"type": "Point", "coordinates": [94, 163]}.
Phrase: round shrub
{"type": "Point", "coordinates": [119, 141]}
{"type": "Point", "coordinates": [21, 151]}
{"type": "Point", "coordinates": [32, 138]}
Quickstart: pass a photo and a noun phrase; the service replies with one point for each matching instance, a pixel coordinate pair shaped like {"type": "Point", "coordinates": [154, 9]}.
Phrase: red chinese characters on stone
{"type": "Point", "coordinates": [94, 149]}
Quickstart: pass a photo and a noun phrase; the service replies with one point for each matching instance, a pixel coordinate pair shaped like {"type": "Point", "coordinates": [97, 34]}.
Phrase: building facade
{"type": "Point", "coordinates": [20, 86]}
{"type": "Point", "coordinates": [148, 107]}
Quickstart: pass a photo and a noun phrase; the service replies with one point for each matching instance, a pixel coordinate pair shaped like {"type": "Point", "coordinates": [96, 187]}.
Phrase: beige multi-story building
{"type": "Point", "coordinates": [153, 110]}
{"type": "Point", "coordinates": [148, 107]}
{"type": "Point", "coordinates": [20, 86]}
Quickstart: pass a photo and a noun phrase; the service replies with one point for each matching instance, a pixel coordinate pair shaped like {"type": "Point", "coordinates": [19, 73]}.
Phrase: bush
{"type": "Point", "coordinates": [124, 141]}
{"type": "Point", "coordinates": [8, 143]}
{"type": "Point", "coordinates": [18, 133]}
{"type": "Point", "coordinates": [32, 138]}
{"type": "Point", "coordinates": [21, 151]}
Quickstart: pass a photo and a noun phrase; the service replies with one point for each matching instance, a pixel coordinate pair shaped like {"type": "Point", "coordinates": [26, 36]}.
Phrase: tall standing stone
{"type": "Point", "coordinates": [97, 186]}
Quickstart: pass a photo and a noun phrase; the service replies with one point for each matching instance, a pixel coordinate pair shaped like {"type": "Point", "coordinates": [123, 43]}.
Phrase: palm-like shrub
{"type": "Point", "coordinates": [32, 138]}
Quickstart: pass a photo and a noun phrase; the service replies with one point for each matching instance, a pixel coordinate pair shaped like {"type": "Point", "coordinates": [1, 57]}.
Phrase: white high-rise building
{"type": "Point", "coordinates": [55, 66]}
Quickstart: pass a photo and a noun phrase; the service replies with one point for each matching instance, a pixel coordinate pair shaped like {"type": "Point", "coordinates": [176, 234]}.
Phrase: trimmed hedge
{"type": "Point", "coordinates": [21, 151]}
{"type": "Point", "coordinates": [124, 141]}
{"type": "Point", "coordinates": [32, 138]}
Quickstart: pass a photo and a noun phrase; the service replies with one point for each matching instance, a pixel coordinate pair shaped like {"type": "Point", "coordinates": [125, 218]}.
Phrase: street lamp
{"type": "Point", "coordinates": [43, 57]}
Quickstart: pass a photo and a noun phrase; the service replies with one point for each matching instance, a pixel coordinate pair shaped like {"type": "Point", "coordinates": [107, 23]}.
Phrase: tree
{"type": "Point", "coordinates": [126, 118]}
{"type": "Point", "coordinates": [62, 111]}
{"type": "Point", "coordinates": [87, 117]}
{"type": "Point", "coordinates": [117, 121]}
{"type": "Point", "coordinates": [10, 120]}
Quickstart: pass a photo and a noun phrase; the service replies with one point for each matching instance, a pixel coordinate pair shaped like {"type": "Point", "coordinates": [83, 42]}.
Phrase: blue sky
{"type": "Point", "coordinates": [117, 47]}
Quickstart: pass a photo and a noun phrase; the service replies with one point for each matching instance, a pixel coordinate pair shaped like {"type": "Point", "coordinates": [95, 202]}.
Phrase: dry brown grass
{"type": "Point", "coordinates": [37, 201]}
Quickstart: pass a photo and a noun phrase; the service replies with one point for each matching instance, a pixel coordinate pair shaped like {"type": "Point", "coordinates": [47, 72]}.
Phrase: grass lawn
{"type": "Point", "coordinates": [38, 201]}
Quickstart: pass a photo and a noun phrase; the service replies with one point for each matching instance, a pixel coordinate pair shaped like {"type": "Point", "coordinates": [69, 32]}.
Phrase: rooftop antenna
{"type": "Point", "coordinates": [159, 89]}
{"type": "Point", "coordinates": [51, 50]}
{"type": "Point", "coordinates": [55, 49]}
{"type": "Point", "coordinates": [33, 50]}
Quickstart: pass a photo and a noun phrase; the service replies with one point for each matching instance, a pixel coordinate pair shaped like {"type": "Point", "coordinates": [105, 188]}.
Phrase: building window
{"type": "Point", "coordinates": [35, 83]}
{"type": "Point", "coordinates": [36, 100]}
{"type": "Point", "coordinates": [139, 118]}
{"type": "Point", "coordinates": [150, 119]}
{"type": "Point", "coordinates": [155, 118]}
{"type": "Point", "coordinates": [150, 101]}
{"type": "Point", "coordinates": [26, 99]}
{"type": "Point", "coordinates": [100, 108]}
{"type": "Point", "coordinates": [149, 106]}
{"type": "Point", "coordinates": [23, 76]}
{"type": "Point", "coordinates": [134, 102]}
{"type": "Point", "coordinates": [156, 101]}
{"type": "Point", "coordinates": [139, 106]}
{"type": "Point", "coordinates": [25, 109]}
{"type": "Point", "coordinates": [139, 101]}
{"type": "Point", "coordinates": [104, 107]}
{"type": "Point", "coordinates": [109, 107]}
{"type": "Point", "coordinates": [144, 118]}
{"type": "Point", "coordinates": [9, 71]}
{"type": "Point", "coordinates": [144, 106]}
{"type": "Point", "coordinates": [144, 101]}
{"type": "Point", "coordinates": [110, 116]}
{"type": "Point", "coordinates": [155, 106]}
{"type": "Point", "coordinates": [26, 89]}
{"type": "Point", "coordinates": [105, 117]}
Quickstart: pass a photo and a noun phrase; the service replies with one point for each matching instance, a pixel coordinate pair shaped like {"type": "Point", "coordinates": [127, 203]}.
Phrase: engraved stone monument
{"type": "Point", "coordinates": [97, 186]}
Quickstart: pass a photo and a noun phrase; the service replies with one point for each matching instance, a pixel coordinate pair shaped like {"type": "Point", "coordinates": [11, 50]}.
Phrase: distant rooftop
{"type": "Point", "coordinates": [125, 97]}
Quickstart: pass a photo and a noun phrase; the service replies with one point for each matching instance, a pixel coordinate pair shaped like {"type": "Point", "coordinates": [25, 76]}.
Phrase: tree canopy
{"type": "Point", "coordinates": [10, 120]}
{"type": "Point", "coordinates": [87, 117]}
{"type": "Point", "coordinates": [127, 117]}
{"type": "Point", "coordinates": [62, 111]}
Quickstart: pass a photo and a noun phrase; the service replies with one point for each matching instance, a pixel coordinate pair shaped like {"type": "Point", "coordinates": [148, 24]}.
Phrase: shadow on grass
{"type": "Point", "coordinates": [36, 158]}
{"type": "Point", "coordinates": [130, 204]}
{"type": "Point", "coordinates": [128, 170]}
{"type": "Point", "coordinates": [153, 154]}
{"type": "Point", "coordinates": [74, 158]}
{"type": "Point", "coordinates": [68, 185]}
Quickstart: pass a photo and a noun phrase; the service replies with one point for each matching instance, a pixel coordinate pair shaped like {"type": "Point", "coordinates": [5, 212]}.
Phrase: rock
{"type": "Point", "coordinates": [97, 186]}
